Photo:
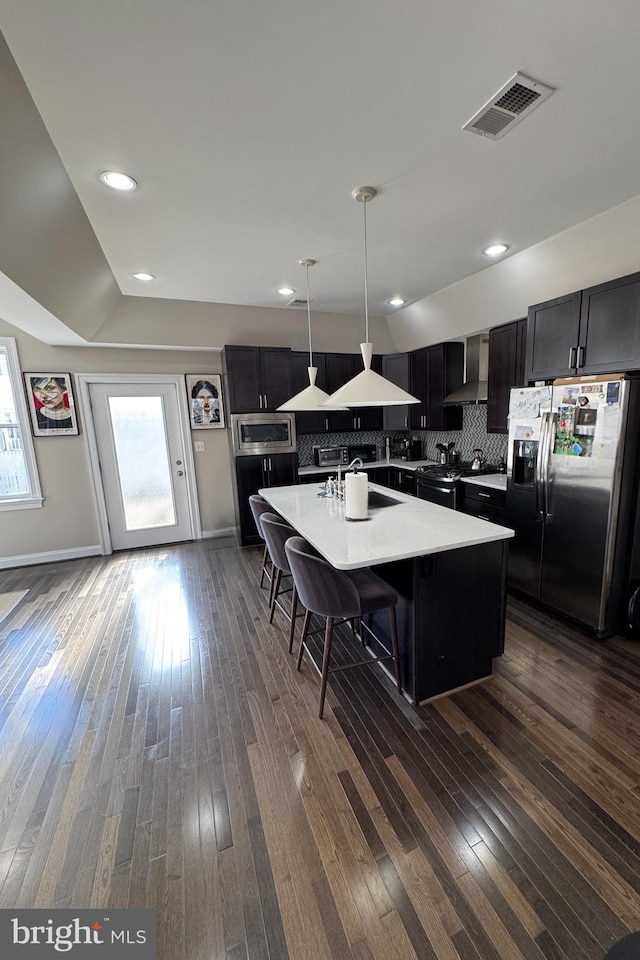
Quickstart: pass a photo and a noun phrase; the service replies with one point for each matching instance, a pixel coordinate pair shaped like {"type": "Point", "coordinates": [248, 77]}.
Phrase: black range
{"type": "Point", "coordinates": [441, 482]}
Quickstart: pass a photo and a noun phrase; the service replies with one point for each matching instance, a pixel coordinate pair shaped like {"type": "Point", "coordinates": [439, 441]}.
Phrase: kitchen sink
{"type": "Point", "coordinates": [377, 499]}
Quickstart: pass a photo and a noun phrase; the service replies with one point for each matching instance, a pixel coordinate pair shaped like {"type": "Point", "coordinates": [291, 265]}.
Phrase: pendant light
{"type": "Point", "coordinates": [369, 389]}
{"type": "Point", "coordinates": [311, 397]}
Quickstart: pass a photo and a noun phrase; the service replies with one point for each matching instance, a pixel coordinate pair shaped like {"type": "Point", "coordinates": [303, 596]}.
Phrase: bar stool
{"type": "Point", "coordinates": [341, 596]}
{"type": "Point", "coordinates": [276, 532]}
{"type": "Point", "coordinates": [259, 506]}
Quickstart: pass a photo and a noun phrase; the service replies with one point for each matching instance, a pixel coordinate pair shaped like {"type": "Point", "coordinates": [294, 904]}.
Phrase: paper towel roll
{"type": "Point", "coordinates": [356, 496]}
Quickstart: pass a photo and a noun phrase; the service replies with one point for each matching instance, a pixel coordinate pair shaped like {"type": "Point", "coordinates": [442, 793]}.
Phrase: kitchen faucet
{"type": "Point", "coordinates": [356, 462]}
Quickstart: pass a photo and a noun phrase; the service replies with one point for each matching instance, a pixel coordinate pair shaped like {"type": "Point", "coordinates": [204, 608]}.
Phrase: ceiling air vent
{"type": "Point", "coordinates": [298, 302]}
{"type": "Point", "coordinates": [508, 106]}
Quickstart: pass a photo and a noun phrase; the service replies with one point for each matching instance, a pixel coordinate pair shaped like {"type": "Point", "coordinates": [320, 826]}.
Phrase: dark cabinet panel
{"type": "Point", "coordinates": [418, 387]}
{"type": "Point", "coordinates": [309, 421]}
{"type": "Point", "coordinates": [395, 367]}
{"type": "Point", "coordinates": [254, 473]}
{"type": "Point", "coordinates": [403, 480]}
{"type": "Point", "coordinates": [486, 503]}
{"type": "Point", "coordinates": [258, 378]}
{"type": "Point", "coordinates": [610, 327]}
{"type": "Point", "coordinates": [552, 338]}
{"type": "Point", "coordinates": [445, 373]}
{"type": "Point", "coordinates": [507, 348]}
{"type": "Point", "coordinates": [340, 369]}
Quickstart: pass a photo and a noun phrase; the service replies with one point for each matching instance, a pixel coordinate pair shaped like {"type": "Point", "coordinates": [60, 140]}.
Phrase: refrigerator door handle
{"type": "Point", "coordinates": [539, 474]}
{"type": "Point", "coordinates": [549, 440]}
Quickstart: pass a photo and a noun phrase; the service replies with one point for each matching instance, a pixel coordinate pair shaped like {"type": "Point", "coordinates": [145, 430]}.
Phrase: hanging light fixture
{"type": "Point", "coordinates": [311, 397]}
{"type": "Point", "coordinates": [368, 389]}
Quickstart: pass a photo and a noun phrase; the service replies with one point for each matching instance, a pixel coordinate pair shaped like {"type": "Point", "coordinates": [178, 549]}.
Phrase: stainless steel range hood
{"type": "Point", "coordinates": [476, 373]}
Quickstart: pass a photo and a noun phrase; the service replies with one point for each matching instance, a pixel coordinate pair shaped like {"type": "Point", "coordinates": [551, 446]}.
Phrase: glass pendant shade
{"type": "Point", "coordinates": [368, 389]}
{"type": "Point", "coordinates": [311, 397]}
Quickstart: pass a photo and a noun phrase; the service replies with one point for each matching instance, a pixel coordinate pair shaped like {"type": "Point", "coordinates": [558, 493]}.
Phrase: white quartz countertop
{"type": "Point", "coordinates": [497, 481]}
{"type": "Point", "coordinates": [408, 528]}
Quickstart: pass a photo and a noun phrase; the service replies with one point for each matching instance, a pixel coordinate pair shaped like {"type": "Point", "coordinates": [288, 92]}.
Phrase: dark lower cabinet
{"type": "Point", "coordinates": [254, 473]}
{"type": "Point", "coordinates": [485, 503]}
{"type": "Point", "coordinates": [507, 350]}
{"type": "Point", "coordinates": [399, 479]}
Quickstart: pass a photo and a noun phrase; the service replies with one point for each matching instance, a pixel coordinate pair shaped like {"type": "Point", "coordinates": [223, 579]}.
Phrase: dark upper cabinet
{"type": "Point", "coordinates": [593, 331]}
{"type": "Point", "coordinates": [507, 348]}
{"type": "Point", "coordinates": [395, 367]}
{"type": "Point", "coordinates": [309, 421]}
{"type": "Point", "coordinates": [368, 418]}
{"type": "Point", "coordinates": [418, 387]}
{"type": "Point", "coordinates": [435, 372]}
{"type": "Point", "coordinates": [610, 327]}
{"type": "Point", "coordinates": [552, 338]}
{"type": "Point", "coordinates": [258, 378]}
{"type": "Point", "coordinates": [340, 369]}
{"type": "Point", "coordinates": [255, 473]}
{"type": "Point", "coordinates": [445, 373]}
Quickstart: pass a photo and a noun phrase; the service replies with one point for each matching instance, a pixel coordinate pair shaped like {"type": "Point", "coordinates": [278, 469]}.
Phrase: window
{"type": "Point", "coordinates": [19, 484]}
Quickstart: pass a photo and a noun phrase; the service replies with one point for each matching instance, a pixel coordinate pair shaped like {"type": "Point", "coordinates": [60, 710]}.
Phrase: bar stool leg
{"type": "Point", "coordinates": [305, 630]}
{"type": "Point", "coordinates": [294, 607]}
{"type": "Point", "coordinates": [264, 565]}
{"type": "Point", "coordinates": [275, 584]}
{"type": "Point", "coordinates": [328, 633]}
{"type": "Point", "coordinates": [394, 645]}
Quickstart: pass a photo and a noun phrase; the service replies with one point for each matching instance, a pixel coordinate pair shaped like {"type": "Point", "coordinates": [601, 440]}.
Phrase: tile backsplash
{"type": "Point", "coordinates": [473, 434]}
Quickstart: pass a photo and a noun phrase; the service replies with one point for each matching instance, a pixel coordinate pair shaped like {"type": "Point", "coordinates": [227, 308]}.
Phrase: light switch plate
{"type": "Point", "coordinates": [198, 446]}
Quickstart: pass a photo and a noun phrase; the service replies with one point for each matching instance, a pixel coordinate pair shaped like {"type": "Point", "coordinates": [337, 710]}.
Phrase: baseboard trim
{"type": "Point", "coordinates": [51, 556]}
{"type": "Point", "coordinates": [215, 534]}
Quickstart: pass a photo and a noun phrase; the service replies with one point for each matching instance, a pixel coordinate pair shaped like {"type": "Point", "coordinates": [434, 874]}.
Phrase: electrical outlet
{"type": "Point", "coordinates": [198, 446]}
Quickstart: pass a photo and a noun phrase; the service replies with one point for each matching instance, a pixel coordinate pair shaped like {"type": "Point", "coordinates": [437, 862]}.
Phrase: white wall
{"type": "Point", "coordinates": [592, 252]}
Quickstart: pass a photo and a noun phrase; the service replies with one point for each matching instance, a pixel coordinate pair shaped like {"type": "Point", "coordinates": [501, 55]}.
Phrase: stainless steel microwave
{"type": "Point", "coordinates": [263, 433]}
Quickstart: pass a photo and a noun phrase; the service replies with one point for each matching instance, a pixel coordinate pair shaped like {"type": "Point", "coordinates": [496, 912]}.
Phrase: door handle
{"type": "Point", "coordinates": [266, 405]}
{"type": "Point", "coordinates": [572, 357]}
{"type": "Point", "coordinates": [581, 351]}
{"type": "Point", "coordinates": [487, 495]}
{"type": "Point", "coordinates": [326, 424]}
{"type": "Point", "coordinates": [179, 462]}
{"type": "Point", "coordinates": [406, 422]}
{"type": "Point", "coordinates": [181, 473]}
{"type": "Point", "coordinates": [538, 474]}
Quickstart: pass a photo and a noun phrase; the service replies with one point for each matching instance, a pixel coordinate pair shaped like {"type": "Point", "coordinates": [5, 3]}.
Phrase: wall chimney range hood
{"type": "Point", "coordinates": [475, 389]}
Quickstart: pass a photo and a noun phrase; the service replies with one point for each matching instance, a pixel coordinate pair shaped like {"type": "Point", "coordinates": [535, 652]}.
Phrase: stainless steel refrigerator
{"type": "Point", "coordinates": [572, 490]}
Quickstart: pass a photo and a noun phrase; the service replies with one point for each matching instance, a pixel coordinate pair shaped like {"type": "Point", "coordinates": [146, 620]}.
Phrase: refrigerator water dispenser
{"type": "Point", "coordinates": [525, 455]}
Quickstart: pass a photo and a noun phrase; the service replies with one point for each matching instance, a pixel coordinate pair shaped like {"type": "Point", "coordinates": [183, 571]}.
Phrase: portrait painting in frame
{"type": "Point", "coordinates": [51, 404]}
{"type": "Point", "coordinates": [204, 392]}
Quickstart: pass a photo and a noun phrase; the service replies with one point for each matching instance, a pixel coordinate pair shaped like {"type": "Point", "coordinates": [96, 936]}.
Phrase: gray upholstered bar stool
{"type": "Point", "coordinates": [276, 533]}
{"type": "Point", "coordinates": [259, 506]}
{"type": "Point", "coordinates": [339, 595]}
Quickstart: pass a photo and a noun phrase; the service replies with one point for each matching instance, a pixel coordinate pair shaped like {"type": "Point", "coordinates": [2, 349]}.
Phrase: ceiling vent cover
{"type": "Point", "coordinates": [298, 302]}
{"type": "Point", "coordinates": [514, 101]}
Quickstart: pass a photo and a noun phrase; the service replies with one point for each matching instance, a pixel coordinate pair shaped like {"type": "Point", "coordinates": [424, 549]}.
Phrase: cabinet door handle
{"type": "Point", "coordinates": [270, 465]}
{"type": "Point", "coordinates": [487, 495]}
{"type": "Point", "coordinates": [406, 422]}
{"type": "Point", "coordinates": [260, 395]}
{"type": "Point", "coordinates": [572, 357]}
{"type": "Point", "coordinates": [326, 424]}
{"type": "Point", "coordinates": [581, 352]}
{"type": "Point", "coordinates": [488, 519]}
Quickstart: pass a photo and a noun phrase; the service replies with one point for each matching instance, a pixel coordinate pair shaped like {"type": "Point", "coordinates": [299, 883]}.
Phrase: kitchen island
{"type": "Point", "coordinates": [448, 568]}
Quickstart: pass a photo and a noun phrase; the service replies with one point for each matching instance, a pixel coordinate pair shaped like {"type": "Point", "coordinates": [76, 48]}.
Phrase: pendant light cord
{"type": "Point", "coordinates": [309, 316]}
{"type": "Point", "coordinates": [366, 284]}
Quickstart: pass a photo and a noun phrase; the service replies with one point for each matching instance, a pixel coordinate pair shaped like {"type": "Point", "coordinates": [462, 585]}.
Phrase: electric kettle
{"type": "Point", "coordinates": [478, 462]}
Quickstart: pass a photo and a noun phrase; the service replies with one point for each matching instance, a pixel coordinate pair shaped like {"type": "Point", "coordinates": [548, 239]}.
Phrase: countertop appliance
{"type": "Point", "coordinates": [441, 483]}
{"type": "Point", "coordinates": [257, 434]}
{"type": "Point", "coordinates": [367, 452]}
{"type": "Point", "coordinates": [331, 456]}
{"type": "Point", "coordinates": [572, 490]}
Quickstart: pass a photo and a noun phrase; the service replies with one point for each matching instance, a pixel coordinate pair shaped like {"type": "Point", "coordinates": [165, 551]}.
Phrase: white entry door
{"type": "Point", "coordinates": [142, 463]}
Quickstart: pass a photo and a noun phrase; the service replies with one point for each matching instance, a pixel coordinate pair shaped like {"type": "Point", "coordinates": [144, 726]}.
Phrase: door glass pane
{"type": "Point", "coordinates": [143, 461]}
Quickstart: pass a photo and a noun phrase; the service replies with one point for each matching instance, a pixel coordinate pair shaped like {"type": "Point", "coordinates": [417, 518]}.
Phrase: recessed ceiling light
{"type": "Point", "coordinates": [495, 249]}
{"type": "Point", "coordinates": [144, 276]}
{"type": "Point", "coordinates": [396, 301]}
{"type": "Point", "coordinates": [118, 181]}
{"type": "Point", "coordinates": [285, 291]}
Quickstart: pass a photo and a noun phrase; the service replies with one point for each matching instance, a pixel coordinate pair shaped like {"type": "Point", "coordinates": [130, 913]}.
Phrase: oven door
{"type": "Point", "coordinates": [444, 494]}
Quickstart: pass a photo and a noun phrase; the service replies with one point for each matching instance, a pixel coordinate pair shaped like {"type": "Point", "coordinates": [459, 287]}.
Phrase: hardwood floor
{"type": "Point", "coordinates": [159, 749]}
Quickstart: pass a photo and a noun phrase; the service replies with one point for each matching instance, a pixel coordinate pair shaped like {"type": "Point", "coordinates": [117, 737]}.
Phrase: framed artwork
{"type": "Point", "coordinates": [51, 404]}
{"type": "Point", "coordinates": [204, 392]}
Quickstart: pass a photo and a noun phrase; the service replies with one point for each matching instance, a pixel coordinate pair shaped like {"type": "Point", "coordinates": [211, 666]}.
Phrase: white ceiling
{"type": "Point", "coordinates": [248, 122]}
